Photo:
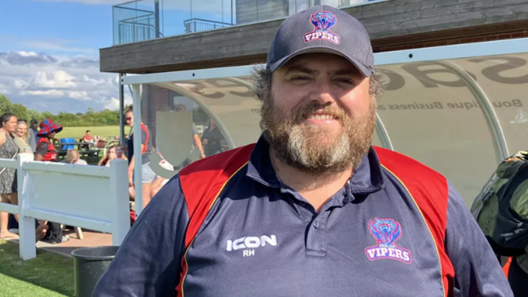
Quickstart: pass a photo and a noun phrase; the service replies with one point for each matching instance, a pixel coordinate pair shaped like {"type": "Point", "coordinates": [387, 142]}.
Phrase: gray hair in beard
{"type": "Point", "coordinates": [286, 137]}
{"type": "Point", "coordinates": [300, 146]}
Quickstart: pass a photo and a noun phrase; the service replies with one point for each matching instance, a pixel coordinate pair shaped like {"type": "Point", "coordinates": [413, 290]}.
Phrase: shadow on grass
{"type": "Point", "coordinates": [48, 270]}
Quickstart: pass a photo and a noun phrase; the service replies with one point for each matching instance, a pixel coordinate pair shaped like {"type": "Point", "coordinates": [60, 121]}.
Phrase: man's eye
{"type": "Point", "coordinates": [345, 80]}
{"type": "Point", "coordinates": [300, 77]}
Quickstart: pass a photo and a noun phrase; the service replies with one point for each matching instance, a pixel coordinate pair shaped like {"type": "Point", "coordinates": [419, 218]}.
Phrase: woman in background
{"type": "Point", "coordinates": [8, 181]}
{"type": "Point", "coordinates": [46, 152]}
{"type": "Point", "coordinates": [22, 137]}
{"type": "Point", "coordinates": [72, 157]}
{"type": "Point", "coordinates": [114, 152]}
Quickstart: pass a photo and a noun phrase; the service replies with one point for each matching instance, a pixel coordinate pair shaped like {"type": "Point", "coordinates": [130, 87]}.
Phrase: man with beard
{"type": "Point", "coordinates": [311, 209]}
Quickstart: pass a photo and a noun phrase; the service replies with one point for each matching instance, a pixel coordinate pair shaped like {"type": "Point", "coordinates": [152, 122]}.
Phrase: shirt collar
{"type": "Point", "coordinates": [367, 177]}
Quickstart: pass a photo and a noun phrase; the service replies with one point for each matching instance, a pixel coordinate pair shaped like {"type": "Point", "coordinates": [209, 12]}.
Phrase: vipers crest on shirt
{"type": "Point", "coordinates": [322, 22]}
{"type": "Point", "coordinates": [386, 232]}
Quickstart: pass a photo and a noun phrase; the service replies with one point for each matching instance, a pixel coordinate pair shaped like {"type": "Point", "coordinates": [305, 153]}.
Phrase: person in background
{"type": "Point", "coordinates": [72, 157]}
{"type": "Point", "coordinates": [114, 152]}
{"type": "Point", "coordinates": [88, 136]}
{"type": "Point", "coordinates": [46, 152]}
{"type": "Point", "coordinates": [33, 134]}
{"type": "Point", "coordinates": [212, 139]}
{"type": "Point", "coordinates": [22, 137]}
{"type": "Point", "coordinates": [196, 137]}
{"type": "Point", "coordinates": [8, 180]}
{"type": "Point", "coordinates": [147, 174]}
{"type": "Point", "coordinates": [160, 181]}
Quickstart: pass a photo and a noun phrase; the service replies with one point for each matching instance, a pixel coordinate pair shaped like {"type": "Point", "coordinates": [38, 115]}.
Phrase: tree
{"type": "Point", "coordinates": [90, 118]}
{"type": "Point", "coordinates": [5, 104]}
{"type": "Point", "coordinates": [21, 112]}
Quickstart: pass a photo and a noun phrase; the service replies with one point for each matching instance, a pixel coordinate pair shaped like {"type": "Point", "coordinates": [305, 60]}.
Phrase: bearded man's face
{"type": "Point", "coordinates": [320, 116]}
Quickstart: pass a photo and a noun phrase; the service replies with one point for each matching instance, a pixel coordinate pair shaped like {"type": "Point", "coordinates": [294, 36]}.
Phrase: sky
{"type": "Point", "coordinates": [49, 49]}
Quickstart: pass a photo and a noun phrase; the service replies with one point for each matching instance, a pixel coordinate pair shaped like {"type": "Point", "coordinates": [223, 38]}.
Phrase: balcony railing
{"type": "Point", "coordinates": [137, 29]}
{"type": "Point", "coordinates": [140, 20]}
{"type": "Point", "coordinates": [136, 21]}
{"type": "Point", "coordinates": [197, 25]}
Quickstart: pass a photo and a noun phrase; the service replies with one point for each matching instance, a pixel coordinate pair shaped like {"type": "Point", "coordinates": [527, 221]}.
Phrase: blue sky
{"type": "Point", "coordinates": [49, 54]}
{"type": "Point", "coordinates": [71, 25]}
{"type": "Point", "coordinates": [49, 49]}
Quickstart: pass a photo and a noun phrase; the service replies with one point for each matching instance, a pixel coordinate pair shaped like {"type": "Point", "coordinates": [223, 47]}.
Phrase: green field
{"type": "Point", "coordinates": [78, 132]}
{"type": "Point", "coordinates": [47, 275]}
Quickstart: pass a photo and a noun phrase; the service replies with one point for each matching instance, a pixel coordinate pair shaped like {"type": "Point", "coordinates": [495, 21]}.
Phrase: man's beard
{"type": "Point", "coordinates": [317, 149]}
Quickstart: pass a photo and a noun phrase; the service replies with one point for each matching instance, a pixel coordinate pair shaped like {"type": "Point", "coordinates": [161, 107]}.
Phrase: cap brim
{"type": "Point", "coordinates": [366, 71]}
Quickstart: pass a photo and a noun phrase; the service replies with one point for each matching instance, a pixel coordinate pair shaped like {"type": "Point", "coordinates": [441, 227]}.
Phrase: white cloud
{"type": "Point", "coordinates": [53, 79]}
{"type": "Point", "coordinates": [46, 93]}
{"type": "Point", "coordinates": [24, 58]}
{"type": "Point", "coordinates": [20, 84]}
{"type": "Point", "coordinates": [81, 95]}
{"type": "Point", "coordinates": [3, 89]}
{"type": "Point", "coordinates": [113, 104]}
{"type": "Point", "coordinates": [56, 45]}
{"type": "Point", "coordinates": [57, 83]}
{"type": "Point", "coordinates": [34, 46]}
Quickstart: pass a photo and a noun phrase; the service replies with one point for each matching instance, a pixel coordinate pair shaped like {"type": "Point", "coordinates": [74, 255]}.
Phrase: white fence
{"type": "Point", "coordinates": [92, 197]}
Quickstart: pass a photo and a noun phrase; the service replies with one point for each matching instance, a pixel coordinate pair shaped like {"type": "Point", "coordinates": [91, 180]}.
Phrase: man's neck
{"type": "Point", "coordinates": [316, 188]}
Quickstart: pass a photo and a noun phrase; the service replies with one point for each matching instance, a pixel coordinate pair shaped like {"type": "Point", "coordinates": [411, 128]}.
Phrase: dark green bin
{"type": "Point", "coordinates": [88, 266]}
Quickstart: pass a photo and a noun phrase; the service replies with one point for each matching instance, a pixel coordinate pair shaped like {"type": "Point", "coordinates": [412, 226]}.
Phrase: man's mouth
{"type": "Point", "coordinates": [322, 117]}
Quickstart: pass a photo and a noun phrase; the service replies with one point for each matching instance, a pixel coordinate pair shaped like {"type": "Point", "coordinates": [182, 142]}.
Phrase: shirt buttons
{"type": "Point", "coordinates": [316, 225]}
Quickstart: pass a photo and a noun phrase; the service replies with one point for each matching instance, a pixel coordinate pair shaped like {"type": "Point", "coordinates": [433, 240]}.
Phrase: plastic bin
{"type": "Point", "coordinates": [88, 266]}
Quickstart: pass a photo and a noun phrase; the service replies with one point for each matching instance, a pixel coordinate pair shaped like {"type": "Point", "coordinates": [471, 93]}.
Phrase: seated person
{"type": "Point", "coordinates": [72, 157]}
{"type": "Point", "coordinates": [114, 152]}
{"type": "Point", "coordinates": [88, 136]}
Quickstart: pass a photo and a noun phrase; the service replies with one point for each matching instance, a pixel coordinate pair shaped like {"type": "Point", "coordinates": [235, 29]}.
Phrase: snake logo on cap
{"type": "Point", "coordinates": [322, 22]}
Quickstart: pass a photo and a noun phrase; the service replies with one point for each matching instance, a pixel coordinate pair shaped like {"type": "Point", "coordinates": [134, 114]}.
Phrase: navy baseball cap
{"type": "Point", "coordinates": [322, 29]}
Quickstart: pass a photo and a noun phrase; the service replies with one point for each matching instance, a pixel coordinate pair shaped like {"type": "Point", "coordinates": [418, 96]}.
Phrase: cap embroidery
{"type": "Point", "coordinates": [322, 22]}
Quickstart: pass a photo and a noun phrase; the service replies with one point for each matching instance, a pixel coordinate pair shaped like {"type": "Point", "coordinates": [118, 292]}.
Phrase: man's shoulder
{"type": "Point", "coordinates": [224, 161]}
{"type": "Point", "coordinates": [396, 162]}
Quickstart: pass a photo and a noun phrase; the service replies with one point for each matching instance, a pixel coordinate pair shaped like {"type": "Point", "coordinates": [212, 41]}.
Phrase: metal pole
{"type": "Point", "coordinates": [383, 134]}
{"type": "Point", "coordinates": [489, 112]}
{"type": "Point", "coordinates": [138, 186]}
{"type": "Point", "coordinates": [231, 12]}
{"type": "Point", "coordinates": [156, 18]}
{"type": "Point", "coordinates": [121, 110]}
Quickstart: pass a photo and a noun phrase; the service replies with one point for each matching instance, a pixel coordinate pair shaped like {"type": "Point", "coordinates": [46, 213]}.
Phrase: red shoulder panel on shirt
{"type": "Point", "coordinates": [201, 183]}
{"type": "Point", "coordinates": [203, 180]}
{"type": "Point", "coordinates": [430, 192]}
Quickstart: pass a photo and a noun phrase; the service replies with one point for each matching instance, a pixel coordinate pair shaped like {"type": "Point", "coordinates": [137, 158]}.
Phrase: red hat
{"type": "Point", "coordinates": [47, 126]}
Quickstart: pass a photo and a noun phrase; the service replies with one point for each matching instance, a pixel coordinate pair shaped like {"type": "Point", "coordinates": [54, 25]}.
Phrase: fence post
{"type": "Point", "coordinates": [119, 188]}
{"type": "Point", "coordinates": [26, 225]}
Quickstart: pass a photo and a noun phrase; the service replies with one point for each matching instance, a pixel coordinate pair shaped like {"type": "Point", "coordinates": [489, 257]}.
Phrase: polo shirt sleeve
{"type": "Point", "coordinates": [477, 269]}
{"type": "Point", "coordinates": [148, 262]}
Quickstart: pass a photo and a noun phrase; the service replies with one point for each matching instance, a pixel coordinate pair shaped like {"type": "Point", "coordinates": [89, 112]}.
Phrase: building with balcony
{"type": "Point", "coordinates": [456, 73]}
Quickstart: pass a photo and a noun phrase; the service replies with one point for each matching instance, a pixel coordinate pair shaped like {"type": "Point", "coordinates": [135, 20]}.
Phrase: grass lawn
{"type": "Point", "coordinates": [78, 132]}
{"type": "Point", "coordinates": [47, 275]}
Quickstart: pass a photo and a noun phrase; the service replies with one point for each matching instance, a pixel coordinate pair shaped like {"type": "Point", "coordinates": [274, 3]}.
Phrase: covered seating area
{"type": "Point", "coordinates": [459, 109]}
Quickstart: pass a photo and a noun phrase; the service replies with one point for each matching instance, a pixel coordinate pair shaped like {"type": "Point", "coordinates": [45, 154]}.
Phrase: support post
{"type": "Point", "coordinates": [156, 18]}
{"type": "Point", "coordinates": [121, 110]}
{"type": "Point", "coordinates": [119, 189]}
{"type": "Point", "coordinates": [26, 225]}
{"type": "Point", "coordinates": [138, 185]}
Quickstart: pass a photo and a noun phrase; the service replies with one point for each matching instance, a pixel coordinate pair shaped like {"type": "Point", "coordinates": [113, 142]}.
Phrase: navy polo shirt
{"type": "Point", "coordinates": [262, 238]}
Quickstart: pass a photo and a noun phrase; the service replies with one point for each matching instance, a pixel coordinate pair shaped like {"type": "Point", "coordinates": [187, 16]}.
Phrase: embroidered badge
{"type": "Point", "coordinates": [387, 232]}
{"type": "Point", "coordinates": [322, 22]}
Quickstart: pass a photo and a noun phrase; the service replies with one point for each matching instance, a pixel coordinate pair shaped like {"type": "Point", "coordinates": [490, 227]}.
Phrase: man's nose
{"type": "Point", "coordinates": [322, 92]}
